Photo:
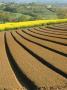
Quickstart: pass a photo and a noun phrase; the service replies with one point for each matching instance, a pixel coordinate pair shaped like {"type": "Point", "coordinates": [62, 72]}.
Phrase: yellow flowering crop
{"type": "Point", "coordinates": [13, 25]}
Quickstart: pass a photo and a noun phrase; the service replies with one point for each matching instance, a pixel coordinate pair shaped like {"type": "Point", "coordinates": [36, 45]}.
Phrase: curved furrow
{"type": "Point", "coordinates": [22, 78]}
{"type": "Point", "coordinates": [38, 57]}
{"type": "Point", "coordinates": [53, 30]}
{"type": "Point", "coordinates": [36, 32]}
{"type": "Point", "coordinates": [46, 44]}
{"type": "Point", "coordinates": [47, 51]}
{"type": "Point", "coordinates": [35, 42]}
{"type": "Point", "coordinates": [63, 41]}
{"type": "Point", "coordinates": [44, 32]}
{"type": "Point", "coordinates": [60, 26]}
{"type": "Point", "coordinates": [35, 70]}
{"type": "Point", "coordinates": [60, 43]}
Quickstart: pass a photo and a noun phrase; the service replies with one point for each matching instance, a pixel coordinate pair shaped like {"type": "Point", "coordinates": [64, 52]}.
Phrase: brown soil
{"type": "Point", "coordinates": [8, 80]}
{"type": "Point", "coordinates": [27, 62]}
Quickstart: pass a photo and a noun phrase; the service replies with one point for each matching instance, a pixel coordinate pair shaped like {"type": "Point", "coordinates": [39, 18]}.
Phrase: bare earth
{"type": "Point", "coordinates": [33, 59]}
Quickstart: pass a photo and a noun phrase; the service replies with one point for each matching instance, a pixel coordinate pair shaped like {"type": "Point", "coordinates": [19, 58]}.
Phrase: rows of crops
{"type": "Point", "coordinates": [34, 59]}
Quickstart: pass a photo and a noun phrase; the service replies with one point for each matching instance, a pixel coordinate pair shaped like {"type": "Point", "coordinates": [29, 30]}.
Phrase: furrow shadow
{"type": "Point", "coordinates": [22, 78]}
{"type": "Point", "coordinates": [52, 30]}
{"type": "Point", "coordinates": [40, 59]}
{"type": "Point", "coordinates": [47, 35]}
{"type": "Point", "coordinates": [45, 39]}
{"type": "Point", "coordinates": [49, 32]}
{"type": "Point", "coordinates": [53, 50]}
{"type": "Point", "coordinates": [59, 29]}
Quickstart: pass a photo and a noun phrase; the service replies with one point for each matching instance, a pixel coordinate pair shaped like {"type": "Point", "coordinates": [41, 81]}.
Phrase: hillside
{"type": "Point", "coordinates": [10, 12]}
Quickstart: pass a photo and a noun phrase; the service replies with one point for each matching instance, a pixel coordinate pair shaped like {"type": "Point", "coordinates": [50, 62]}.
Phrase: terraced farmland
{"type": "Point", "coordinates": [34, 58]}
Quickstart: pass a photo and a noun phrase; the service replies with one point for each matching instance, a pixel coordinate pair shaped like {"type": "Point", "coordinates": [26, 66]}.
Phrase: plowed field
{"type": "Point", "coordinates": [34, 58]}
